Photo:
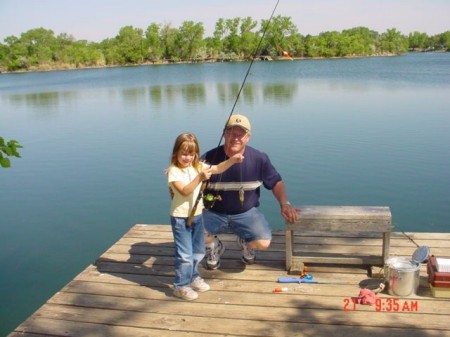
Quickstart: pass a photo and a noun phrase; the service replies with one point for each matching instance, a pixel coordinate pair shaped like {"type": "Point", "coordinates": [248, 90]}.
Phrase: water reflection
{"type": "Point", "coordinates": [185, 94]}
{"type": "Point", "coordinates": [280, 93]}
{"type": "Point", "coordinates": [171, 93]}
{"type": "Point", "coordinates": [156, 94]}
{"type": "Point", "coordinates": [40, 99]}
{"type": "Point", "coordinates": [249, 94]}
{"type": "Point", "coordinates": [226, 92]}
{"type": "Point", "coordinates": [198, 93]}
{"type": "Point", "coordinates": [43, 104]}
{"type": "Point", "coordinates": [194, 93]}
{"type": "Point", "coordinates": [134, 96]}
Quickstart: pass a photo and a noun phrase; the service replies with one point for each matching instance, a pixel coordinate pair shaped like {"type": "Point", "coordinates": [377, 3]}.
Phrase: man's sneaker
{"type": "Point", "coordinates": [186, 293]}
{"type": "Point", "coordinates": [199, 285]}
{"type": "Point", "coordinates": [248, 255]}
{"type": "Point", "coordinates": [213, 255]}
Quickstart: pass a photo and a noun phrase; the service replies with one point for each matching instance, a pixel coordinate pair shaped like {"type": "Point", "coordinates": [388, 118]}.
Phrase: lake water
{"type": "Point", "coordinates": [369, 131]}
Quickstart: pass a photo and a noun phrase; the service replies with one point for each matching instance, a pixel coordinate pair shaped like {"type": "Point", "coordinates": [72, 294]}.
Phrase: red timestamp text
{"type": "Point", "coordinates": [385, 304]}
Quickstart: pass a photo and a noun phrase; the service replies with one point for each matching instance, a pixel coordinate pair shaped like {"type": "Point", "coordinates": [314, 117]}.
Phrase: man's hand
{"type": "Point", "coordinates": [290, 213]}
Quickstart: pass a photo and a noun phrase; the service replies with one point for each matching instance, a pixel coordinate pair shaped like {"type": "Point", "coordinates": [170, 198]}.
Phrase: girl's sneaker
{"type": "Point", "coordinates": [186, 293]}
{"type": "Point", "coordinates": [200, 285]}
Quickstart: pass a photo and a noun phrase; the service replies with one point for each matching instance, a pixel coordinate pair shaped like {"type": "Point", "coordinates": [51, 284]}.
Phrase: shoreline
{"type": "Point", "coordinates": [262, 58]}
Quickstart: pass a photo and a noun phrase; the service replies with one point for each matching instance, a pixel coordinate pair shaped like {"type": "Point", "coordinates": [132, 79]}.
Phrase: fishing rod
{"type": "Point", "coordinates": [205, 182]}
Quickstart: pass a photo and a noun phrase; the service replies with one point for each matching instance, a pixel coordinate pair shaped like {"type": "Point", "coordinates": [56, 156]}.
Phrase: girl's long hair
{"type": "Point", "coordinates": [186, 142]}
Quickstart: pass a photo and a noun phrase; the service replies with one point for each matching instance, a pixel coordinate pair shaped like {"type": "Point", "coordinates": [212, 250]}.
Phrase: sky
{"type": "Point", "coordinates": [96, 20]}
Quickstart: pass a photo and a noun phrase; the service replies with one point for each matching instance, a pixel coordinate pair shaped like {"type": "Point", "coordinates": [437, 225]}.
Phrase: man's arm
{"type": "Point", "coordinates": [288, 212]}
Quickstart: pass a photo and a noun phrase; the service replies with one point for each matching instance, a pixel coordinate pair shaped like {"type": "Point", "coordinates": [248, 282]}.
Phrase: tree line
{"type": "Point", "coordinates": [232, 40]}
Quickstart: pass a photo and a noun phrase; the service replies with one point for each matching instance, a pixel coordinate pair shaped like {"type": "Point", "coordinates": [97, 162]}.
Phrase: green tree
{"type": "Point", "coordinates": [232, 39]}
{"type": "Point", "coordinates": [280, 33]}
{"type": "Point", "coordinates": [359, 41]}
{"type": "Point", "coordinates": [17, 58]}
{"type": "Point", "coordinates": [4, 52]}
{"type": "Point", "coordinates": [216, 43]}
{"type": "Point", "coordinates": [64, 42]}
{"type": "Point", "coordinates": [77, 53]}
{"type": "Point", "coordinates": [168, 39]}
{"type": "Point", "coordinates": [129, 45]}
{"type": "Point", "coordinates": [82, 53]}
{"type": "Point", "coordinates": [298, 45]}
{"type": "Point", "coordinates": [8, 149]}
{"type": "Point", "coordinates": [189, 40]}
{"type": "Point", "coordinates": [418, 40]}
{"type": "Point", "coordinates": [330, 44]}
{"type": "Point", "coordinates": [40, 44]}
{"type": "Point", "coordinates": [153, 43]}
{"type": "Point", "coordinates": [443, 41]}
{"type": "Point", "coordinates": [315, 46]}
{"type": "Point", "coordinates": [392, 41]}
{"type": "Point", "coordinates": [231, 42]}
{"type": "Point", "coordinates": [249, 39]}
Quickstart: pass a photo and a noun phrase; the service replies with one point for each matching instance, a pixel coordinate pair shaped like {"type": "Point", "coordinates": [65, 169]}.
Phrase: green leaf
{"type": "Point", "coordinates": [6, 149]}
{"type": "Point", "coordinates": [4, 162]}
{"type": "Point", "coordinates": [13, 143]}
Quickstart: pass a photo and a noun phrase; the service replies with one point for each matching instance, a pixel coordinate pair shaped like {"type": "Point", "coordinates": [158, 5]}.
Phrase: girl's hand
{"type": "Point", "coordinates": [237, 158]}
{"type": "Point", "coordinates": [206, 173]}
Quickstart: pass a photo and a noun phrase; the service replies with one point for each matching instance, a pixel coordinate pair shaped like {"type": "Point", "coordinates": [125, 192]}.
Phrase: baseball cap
{"type": "Point", "coordinates": [239, 120]}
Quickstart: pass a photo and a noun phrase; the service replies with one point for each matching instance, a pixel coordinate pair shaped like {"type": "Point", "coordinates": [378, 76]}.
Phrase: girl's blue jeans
{"type": "Point", "coordinates": [189, 248]}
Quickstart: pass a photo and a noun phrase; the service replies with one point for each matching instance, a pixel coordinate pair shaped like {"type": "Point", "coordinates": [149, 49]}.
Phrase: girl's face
{"type": "Point", "coordinates": [185, 158]}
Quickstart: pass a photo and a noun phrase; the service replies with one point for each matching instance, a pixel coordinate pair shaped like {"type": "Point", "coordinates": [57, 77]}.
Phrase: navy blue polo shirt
{"type": "Point", "coordinates": [254, 171]}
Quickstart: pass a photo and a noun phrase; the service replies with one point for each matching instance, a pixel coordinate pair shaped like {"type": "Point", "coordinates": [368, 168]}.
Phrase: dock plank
{"type": "Point", "coordinates": [128, 292]}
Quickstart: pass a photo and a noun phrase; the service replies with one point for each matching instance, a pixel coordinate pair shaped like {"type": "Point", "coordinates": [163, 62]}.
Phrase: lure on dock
{"type": "Point", "coordinates": [306, 280]}
{"type": "Point", "coordinates": [295, 280]}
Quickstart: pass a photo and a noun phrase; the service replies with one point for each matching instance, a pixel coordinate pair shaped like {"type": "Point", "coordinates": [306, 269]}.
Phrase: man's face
{"type": "Point", "coordinates": [235, 140]}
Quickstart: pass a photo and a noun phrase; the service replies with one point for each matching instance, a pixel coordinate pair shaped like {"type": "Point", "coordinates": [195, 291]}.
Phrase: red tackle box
{"type": "Point", "coordinates": [437, 279]}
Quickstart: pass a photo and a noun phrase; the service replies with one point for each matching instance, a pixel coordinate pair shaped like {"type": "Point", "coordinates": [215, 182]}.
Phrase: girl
{"type": "Point", "coordinates": [185, 175]}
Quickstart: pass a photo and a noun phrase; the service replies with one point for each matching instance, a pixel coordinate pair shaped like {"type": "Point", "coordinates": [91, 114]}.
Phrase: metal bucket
{"type": "Point", "coordinates": [402, 276]}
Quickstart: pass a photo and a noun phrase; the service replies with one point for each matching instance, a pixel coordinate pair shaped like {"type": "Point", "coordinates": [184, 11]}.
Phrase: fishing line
{"type": "Point", "coordinates": [247, 73]}
{"type": "Point", "coordinates": [204, 183]}
{"type": "Point", "coordinates": [408, 237]}
{"type": "Point", "coordinates": [421, 253]}
{"type": "Point", "coordinates": [258, 47]}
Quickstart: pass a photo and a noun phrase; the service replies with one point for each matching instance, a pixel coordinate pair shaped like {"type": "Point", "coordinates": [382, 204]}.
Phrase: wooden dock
{"type": "Point", "coordinates": [127, 292]}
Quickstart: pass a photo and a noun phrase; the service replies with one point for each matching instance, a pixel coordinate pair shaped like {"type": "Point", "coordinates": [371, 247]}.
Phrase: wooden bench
{"type": "Point", "coordinates": [332, 219]}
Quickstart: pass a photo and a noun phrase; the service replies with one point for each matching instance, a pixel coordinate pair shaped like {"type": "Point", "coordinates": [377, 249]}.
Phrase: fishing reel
{"type": "Point", "coordinates": [210, 199]}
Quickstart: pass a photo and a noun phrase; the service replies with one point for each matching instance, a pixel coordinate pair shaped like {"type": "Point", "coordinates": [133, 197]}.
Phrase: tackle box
{"type": "Point", "coordinates": [437, 279]}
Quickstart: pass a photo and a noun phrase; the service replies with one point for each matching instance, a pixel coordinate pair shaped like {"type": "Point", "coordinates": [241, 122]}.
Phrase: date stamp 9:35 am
{"type": "Point", "coordinates": [385, 304]}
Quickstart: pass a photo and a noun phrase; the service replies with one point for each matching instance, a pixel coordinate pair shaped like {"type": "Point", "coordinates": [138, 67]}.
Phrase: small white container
{"type": "Point", "coordinates": [443, 265]}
